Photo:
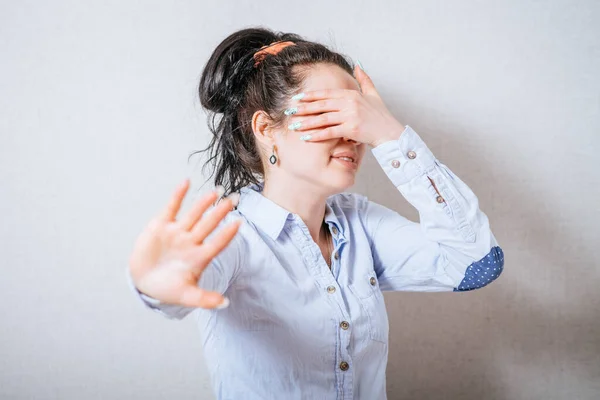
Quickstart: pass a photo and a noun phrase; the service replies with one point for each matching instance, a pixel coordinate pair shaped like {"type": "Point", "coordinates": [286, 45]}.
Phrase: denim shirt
{"type": "Point", "coordinates": [296, 329]}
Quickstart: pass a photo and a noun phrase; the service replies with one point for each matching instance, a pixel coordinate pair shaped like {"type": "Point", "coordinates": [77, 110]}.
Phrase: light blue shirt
{"type": "Point", "coordinates": [296, 329]}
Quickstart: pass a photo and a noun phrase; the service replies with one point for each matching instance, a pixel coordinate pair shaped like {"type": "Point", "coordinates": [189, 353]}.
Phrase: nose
{"type": "Point", "coordinates": [346, 139]}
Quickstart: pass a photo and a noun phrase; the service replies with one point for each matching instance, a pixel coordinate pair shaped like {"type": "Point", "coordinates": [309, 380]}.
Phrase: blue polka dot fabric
{"type": "Point", "coordinates": [484, 271]}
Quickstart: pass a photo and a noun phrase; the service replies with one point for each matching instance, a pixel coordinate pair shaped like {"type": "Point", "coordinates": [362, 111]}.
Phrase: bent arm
{"type": "Point", "coordinates": [452, 248]}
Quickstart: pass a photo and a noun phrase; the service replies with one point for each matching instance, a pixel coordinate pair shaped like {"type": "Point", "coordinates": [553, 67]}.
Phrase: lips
{"type": "Point", "coordinates": [348, 160]}
{"type": "Point", "coordinates": [346, 156]}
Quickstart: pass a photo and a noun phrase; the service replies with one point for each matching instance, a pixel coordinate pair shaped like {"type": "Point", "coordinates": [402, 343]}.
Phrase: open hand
{"type": "Point", "coordinates": [169, 255]}
{"type": "Point", "coordinates": [347, 113]}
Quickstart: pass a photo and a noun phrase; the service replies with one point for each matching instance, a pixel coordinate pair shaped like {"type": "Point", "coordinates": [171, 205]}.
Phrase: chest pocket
{"type": "Point", "coordinates": [370, 297]}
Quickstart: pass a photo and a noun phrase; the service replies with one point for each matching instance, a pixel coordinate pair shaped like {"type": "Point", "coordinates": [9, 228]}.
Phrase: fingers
{"type": "Point", "coordinates": [200, 208]}
{"type": "Point", "coordinates": [211, 220]}
{"type": "Point", "coordinates": [170, 212]}
{"type": "Point", "coordinates": [316, 121]}
{"type": "Point", "coordinates": [194, 296]}
{"type": "Point", "coordinates": [326, 133]}
{"type": "Point", "coordinates": [325, 93]}
{"type": "Point", "coordinates": [209, 250]}
{"type": "Point", "coordinates": [316, 107]}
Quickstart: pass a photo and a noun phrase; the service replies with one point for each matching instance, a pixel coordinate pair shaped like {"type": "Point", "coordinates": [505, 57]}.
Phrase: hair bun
{"type": "Point", "coordinates": [225, 75]}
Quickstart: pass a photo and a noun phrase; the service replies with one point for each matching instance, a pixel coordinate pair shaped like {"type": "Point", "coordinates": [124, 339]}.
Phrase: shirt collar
{"type": "Point", "coordinates": [264, 213]}
{"type": "Point", "coordinates": [269, 216]}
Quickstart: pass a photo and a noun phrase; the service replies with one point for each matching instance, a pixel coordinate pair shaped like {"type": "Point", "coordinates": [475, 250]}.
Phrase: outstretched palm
{"type": "Point", "coordinates": [170, 255]}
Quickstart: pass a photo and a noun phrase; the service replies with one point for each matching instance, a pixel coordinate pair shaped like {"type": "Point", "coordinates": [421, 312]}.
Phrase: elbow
{"type": "Point", "coordinates": [483, 272]}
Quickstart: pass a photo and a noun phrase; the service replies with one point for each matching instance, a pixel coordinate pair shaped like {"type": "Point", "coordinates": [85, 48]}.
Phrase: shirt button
{"type": "Point", "coordinates": [395, 163]}
{"type": "Point", "coordinates": [373, 281]}
{"type": "Point", "coordinates": [334, 229]}
{"type": "Point", "coordinates": [440, 199]}
{"type": "Point", "coordinates": [336, 255]}
{"type": "Point", "coordinates": [344, 366]}
{"type": "Point", "coordinates": [344, 325]}
{"type": "Point", "coordinates": [330, 289]}
{"type": "Point", "coordinates": [412, 155]}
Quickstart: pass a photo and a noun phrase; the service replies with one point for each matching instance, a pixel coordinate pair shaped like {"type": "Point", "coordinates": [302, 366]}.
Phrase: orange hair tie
{"type": "Point", "coordinates": [272, 49]}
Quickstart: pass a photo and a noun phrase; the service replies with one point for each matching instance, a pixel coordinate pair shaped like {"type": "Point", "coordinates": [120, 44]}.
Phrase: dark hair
{"type": "Point", "coordinates": [233, 88]}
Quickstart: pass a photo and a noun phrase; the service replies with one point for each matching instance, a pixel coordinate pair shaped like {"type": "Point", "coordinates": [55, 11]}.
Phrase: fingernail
{"type": "Point", "coordinates": [224, 304]}
{"type": "Point", "coordinates": [306, 137]}
{"type": "Point", "coordinates": [298, 96]}
{"type": "Point", "coordinates": [220, 190]}
{"type": "Point", "coordinates": [294, 126]}
{"type": "Point", "coordinates": [235, 198]}
{"type": "Point", "coordinates": [360, 65]}
{"type": "Point", "coordinates": [291, 111]}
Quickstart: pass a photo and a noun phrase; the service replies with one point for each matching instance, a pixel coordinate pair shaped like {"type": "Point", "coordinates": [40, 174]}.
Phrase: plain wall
{"type": "Point", "coordinates": [99, 113]}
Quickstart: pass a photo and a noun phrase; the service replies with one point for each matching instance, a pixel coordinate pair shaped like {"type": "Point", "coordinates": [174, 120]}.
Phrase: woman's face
{"type": "Point", "coordinates": [316, 163]}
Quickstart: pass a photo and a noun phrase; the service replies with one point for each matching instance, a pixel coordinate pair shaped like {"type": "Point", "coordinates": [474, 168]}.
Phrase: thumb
{"type": "Point", "coordinates": [366, 84]}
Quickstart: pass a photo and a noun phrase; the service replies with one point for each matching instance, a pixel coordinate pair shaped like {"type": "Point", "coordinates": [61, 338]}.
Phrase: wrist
{"type": "Point", "coordinates": [392, 134]}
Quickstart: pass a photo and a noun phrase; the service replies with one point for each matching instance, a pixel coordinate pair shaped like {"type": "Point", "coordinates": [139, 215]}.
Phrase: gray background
{"type": "Point", "coordinates": [99, 114]}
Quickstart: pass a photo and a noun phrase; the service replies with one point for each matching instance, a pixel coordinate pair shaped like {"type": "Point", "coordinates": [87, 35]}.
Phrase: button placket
{"type": "Point", "coordinates": [317, 260]}
{"type": "Point", "coordinates": [312, 255]}
{"type": "Point", "coordinates": [302, 236]}
{"type": "Point", "coordinates": [334, 231]}
{"type": "Point", "coordinates": [336, 254]}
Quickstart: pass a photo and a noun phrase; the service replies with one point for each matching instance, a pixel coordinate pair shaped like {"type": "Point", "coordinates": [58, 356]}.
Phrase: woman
{"type": "Point", "coordinates": [301, 263]}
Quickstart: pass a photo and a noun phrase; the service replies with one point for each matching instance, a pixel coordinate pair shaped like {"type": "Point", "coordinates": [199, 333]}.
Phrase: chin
{"type": "Point", "coordinates": [342, 177]}
{"type": "Point", "coordinates": [340, 184]}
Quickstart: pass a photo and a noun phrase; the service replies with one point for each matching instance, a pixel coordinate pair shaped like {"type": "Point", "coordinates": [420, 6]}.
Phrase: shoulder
{"type": "Point", "coordinates": [230, 259]}
{"type": "Point", "coordinates": [243, 232]}
{"type": "Point", "coordinates": [238, 244]}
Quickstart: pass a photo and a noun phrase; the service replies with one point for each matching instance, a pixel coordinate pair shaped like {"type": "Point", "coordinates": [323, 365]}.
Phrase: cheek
{"type": "Point", "coordinates": [306, 157]}
{"type": "Point", "coordinates": [362, 149]}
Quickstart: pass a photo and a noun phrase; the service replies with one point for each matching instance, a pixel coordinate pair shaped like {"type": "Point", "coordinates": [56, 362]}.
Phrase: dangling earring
{"type": "Point", "coordinates": [273, 159]}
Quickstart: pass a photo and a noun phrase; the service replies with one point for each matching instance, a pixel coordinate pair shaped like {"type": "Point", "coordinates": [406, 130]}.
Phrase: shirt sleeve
{"type": "Point", "coordinates": [452, 247]}
{"type": "Point", "coordinates": [217, 276]}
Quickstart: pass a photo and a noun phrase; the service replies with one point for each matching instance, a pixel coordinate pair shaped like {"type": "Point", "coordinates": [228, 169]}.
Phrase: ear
{"type": "Point", "coordinates": [261, 128]}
